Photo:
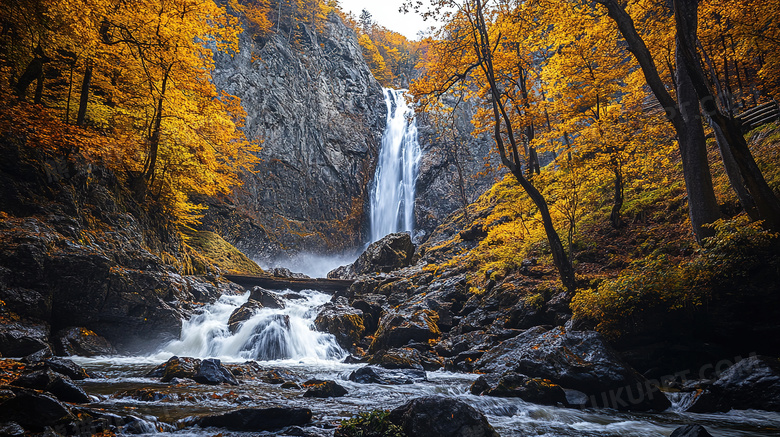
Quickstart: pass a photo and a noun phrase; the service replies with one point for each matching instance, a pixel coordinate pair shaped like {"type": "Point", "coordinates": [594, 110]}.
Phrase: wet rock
{"type": "Point", "coordinates": [343, 321]}
{"type": "Point", "coordinates": [438, 416]}
{"type": "Point", "coordinates": [147, 395]}
{"type": "Point", "coordinates": [39, 356]}
{"type": "Point", "coordinates": [513, 385]}
{"type": "Point", "coordinates": [66, 367]}
{"type": "Point", "coordinates": [753, 383]}
{"type": "Point", "coordinates": [281, 272]}
{"type": "Point", "coordinates": [34, 410]}
{"type": "Point", "coordinates": [392, 252]}
{"type": "Point", "coordinates": [579, 360]}
{"type": "Point", "coordinates": [290, 385]}
{"type": "Point", "coordinates": [11, 429]}
{"type": "Point", "coordinates": [378, 375]}
{"type": "Point", "coordinates": [257, 419]}
{"type": "Point", "coordinates": [175, 367]}
{"type": "Point", "coordinates": [212, 372]}
{"type": "Point", "coordinates": [323, 389]}
{"type": "Point", "coordinates": [372, 307]}
{"type": "Point", "coordinates": [398, 358]}
{"type": "Point", "coordinates": [59, 385]}
{"type": "Point", "coordinates": [20, 340]}
{"type": "Point", "coordinates": [399, 328]}
{"type": "Point", "coordinates": [242, 314]}
{"type": "Point", "coordinates": [82, 342]}
{"type": "Point", "coordinates": [267, 299]}
{"type": "Point", "coordinates": [690, 431]}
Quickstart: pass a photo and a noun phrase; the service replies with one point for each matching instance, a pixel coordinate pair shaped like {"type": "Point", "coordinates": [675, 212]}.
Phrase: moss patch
{"type": "Point", "coordinates": [222, 254]}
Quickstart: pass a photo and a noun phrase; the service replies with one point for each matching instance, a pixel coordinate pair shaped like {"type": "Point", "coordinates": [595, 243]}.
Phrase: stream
{"type": "Point", "coordinates": [284, 340]}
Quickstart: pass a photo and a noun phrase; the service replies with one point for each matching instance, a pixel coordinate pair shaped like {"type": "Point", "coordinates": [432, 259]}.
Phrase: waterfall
{"type": "Point", "coordinates": [270, 334]}
{"type": "Point", "coordinates": [392, 199]}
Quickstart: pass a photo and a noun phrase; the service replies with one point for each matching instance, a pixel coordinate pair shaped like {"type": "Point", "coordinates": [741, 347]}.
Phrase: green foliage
{"type": "Point", "coordinates": [659, 281]}
{"type": "Point", "coordinates": [369, 424]}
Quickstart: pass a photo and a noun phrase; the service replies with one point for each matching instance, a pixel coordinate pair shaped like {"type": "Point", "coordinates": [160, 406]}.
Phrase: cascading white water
{"type": "Point", "coordinates": [270, 334]}
{"type": "Point", "coordinates": [392, 200]}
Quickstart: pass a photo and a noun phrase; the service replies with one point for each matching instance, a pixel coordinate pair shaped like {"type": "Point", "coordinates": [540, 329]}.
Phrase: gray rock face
{"type": "Point", "coordinates": [319, 113]}
{"type": "Point", "coordinates": [392, 252]}
{"type": "Point", "coordinates": [753, 383]}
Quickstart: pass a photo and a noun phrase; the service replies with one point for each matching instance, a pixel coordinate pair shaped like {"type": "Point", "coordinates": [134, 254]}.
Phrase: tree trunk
{"type": "Point", "coordinates": [702, 205]}
{"type": "Point", "coordinates": [617, 205]}
{"type": "Point", "coordinates": [39, 88]}
{"type": "Point", "coordinates": [154, 141]}
{"type": "Point", "coordinates": [84, 96]}
{"type": "Point", "coordinates": [33, 71]}
{"type": "Point", "coordinates": [734, 175]}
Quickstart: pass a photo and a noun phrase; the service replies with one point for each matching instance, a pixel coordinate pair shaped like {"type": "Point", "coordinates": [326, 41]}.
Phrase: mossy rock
{"type": "Point", "coordinates": [222, 254]}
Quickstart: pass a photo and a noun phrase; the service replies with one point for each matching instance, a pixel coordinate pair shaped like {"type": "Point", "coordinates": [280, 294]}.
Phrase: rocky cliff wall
{"type": "Point", "coordinates": [313, 102]}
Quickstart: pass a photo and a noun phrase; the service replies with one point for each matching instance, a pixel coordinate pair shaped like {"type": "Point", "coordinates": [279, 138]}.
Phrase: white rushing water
{"type": "Point", "coordinates": [270, 334]}
{"type": "Point", "coordinates": [392, 199]}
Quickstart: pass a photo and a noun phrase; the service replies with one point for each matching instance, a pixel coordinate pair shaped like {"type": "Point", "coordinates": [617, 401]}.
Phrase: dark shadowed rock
{"type": "Point", "coordinates": [34, 410]}
{"type": "Point", "coordinates": [690, 431]}
{"type": "Point", "coordinates": [396, 329]}
{"type": "Point", "coordinates": [20, 340]}
{"type": "Point", "coordinates": [323, 389]}
{"type": "Point", "coordinates": [753, 383]}
{"type": "Point", "coordinates": [398, 358]}
{"type": "Point", "coordinates": [59, 385]}
{"type": "Point", "coordinates": [438, 416]}
{"type": "Point", "coordinates": [513, 385]}
{"type": "Point", "coordinates": [81, 342]}
{"type": "Point", "coordinates": [242, 314]}
{"type": "Point", "coordinates": [267, 299]}
{"type": "Point", "coordinates": [392, 252]}
{"type": "Point", "coordinates": [343, 321]}
{"type": "Point", "coordinates": [65, 367]}
{"type": "Point", "coordinates": [257, 419]}
{"type": "Point", "coordinates": [378, 375]}
{"type": "Point", "coordinates": [212, 372]}
{"type": "Point", "coordinates": [579, 360]}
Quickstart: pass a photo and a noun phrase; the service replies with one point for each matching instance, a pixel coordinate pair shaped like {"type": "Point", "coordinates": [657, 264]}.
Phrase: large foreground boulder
{"type": "Point", "coordinates": [34, 410]}
{"type": "Point", "coordinates": [753, 383]}
{"type": "Point", "coordinates": [392, 252]}
{"type": "Point", "coordinates": [59, 385]}
{"type": "Point", "coordinates": [514, 385]}
{"type": "Point", "coordinates": [579, 360]}
{"type": "Point", "coordinates": [438, 416]}
{"type": "Point", "coordinates": [212, 372]}
{"type": "Point", "coordinates": [20, 340]}
{"type": "Point", "coordinates": [317, 388]}
{"type": "Point", "coordinates": [257, 419]}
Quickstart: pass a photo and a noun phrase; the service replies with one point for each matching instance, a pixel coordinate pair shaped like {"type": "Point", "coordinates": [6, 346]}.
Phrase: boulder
{"type": "Point", "coordinates": [514, 385]}
{"type": "Point", "coordinates": [257, 419]}
{"type": "Point", "coordinates": [690, 431]}
{"type": "Point", "coordinates": [12, 429]}
{"type": "Point", "coordinates": [59, 385]}
{"type": "Point", "coordinates": [579, 360]}
{"type": "Point", "coordinates": [81, 342]}
{"type": "Point", "coordinates": [323, 389]}
{"type": "Point", "coordinates": [20, 340]}
{"type": "Point", "coordinates": [753, 383]}
{"type": "Point", "coordinates": [438, 416]}
{"type": "Point", "coordinates": [34, 410]}
{"type": "Point", "coordinates": [212, 372]}
{"type": "Point", "coordinates": [267, 299]}
{"type": "Point", "coordinates": [398, 358]}
{"type": "Point", "coordinates": [378, 375]}
{"type": "Point", "coordinates": [175, 367]}
{"type": "Point", "coordinates": [343, 321]}
{"type": "Point", "coordinates": [398, 328]}
{"type": "Point", "coordinates": [392, 252]}
{"type": "Point", "coordinates": [281, 272]}
{"type": "Point", "coordinates": [242, 314]}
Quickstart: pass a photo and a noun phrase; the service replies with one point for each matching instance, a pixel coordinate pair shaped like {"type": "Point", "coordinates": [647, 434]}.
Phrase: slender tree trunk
{"type": "Point", "coordinates": [70, 92]}
{"type": "Point", "coordinates": [614, 216]}
{"type": "Point", "coordinates": [84, 96]}
{"type": "Point", "coordinates": [154, 141]}
{"type": "Point", "coordinates": [33, 71]}
{"type": "Point", "coordinates": [734, 175]}
{"type": "Point", "coordinates": [39, 88]}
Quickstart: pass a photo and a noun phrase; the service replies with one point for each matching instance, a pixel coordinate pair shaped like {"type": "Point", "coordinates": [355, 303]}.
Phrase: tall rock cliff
{"type": "Point", "coordinates": [313, 102]}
